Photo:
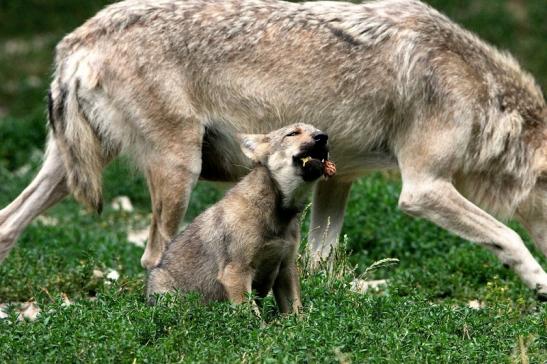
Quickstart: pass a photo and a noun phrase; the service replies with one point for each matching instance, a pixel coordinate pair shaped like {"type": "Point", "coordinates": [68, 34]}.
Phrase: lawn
{"type": "Point", "coordinates": [446, 300]}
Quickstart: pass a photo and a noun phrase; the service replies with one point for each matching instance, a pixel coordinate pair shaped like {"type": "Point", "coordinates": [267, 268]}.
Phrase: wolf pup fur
{"type": "Point", "coordinates": [394, 83]}
{"type": "Point", "coordinates": [249, 240]}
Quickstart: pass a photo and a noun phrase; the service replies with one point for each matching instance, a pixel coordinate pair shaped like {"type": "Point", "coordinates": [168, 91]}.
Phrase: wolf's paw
{"type": "Point", "coordinates": [149, 261]}
{"type": "Point", "coordinates": [541, 292]}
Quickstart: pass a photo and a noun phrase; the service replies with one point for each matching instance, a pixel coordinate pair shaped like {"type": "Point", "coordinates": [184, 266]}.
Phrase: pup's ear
{"type": "Point", "coordinates": [254, 146]}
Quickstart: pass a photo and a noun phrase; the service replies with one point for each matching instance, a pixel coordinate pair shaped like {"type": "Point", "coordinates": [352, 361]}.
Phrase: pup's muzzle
{"type": "Point", "coordinates": [314, 159]}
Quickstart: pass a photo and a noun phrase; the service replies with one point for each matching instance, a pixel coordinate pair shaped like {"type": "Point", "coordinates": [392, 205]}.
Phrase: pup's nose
{"type": "Point", "coordinates": [321, 138]}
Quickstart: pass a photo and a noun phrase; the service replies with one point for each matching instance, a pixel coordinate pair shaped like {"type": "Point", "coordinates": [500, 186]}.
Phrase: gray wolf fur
{"type": "Point", "coordinates": [249, 240]}
{"type": "Point", "coordinates": [394, 83]}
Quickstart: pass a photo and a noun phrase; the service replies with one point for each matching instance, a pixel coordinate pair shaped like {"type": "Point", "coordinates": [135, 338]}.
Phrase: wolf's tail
{"type": "Point", "coordinates": [78, 142]}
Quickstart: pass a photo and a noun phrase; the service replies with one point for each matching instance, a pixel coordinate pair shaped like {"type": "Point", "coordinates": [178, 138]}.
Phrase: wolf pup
{"type": "Point", "coordinates": [249, 239]}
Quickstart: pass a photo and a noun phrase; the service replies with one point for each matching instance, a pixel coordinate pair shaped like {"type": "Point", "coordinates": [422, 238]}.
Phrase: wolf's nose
{"type": "Point", "coordinates": [321, 138]}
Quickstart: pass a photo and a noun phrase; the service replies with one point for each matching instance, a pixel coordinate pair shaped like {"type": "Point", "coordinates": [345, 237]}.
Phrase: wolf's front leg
{"type": "Point", "coordinates": [533, 215]}
{"type": "Point", "coordinates": [286, 289]}
{"type": "Point", "coordinates": [327, 217]}
{"type": "Point", "coordinates": [439, 202]}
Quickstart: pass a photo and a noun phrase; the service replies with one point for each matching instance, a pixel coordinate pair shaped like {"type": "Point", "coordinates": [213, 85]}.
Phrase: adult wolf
{"type": "Point", "coordinates": [393, 82]}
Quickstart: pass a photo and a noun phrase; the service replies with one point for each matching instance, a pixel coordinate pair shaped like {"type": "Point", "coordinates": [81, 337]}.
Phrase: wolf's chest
{"type": "Point", "coordinates": [272, 252]}
{"type": "Point", "coordinates": [268, 261]}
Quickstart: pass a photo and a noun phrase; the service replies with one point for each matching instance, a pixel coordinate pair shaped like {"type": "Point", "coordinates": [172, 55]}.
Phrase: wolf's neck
{"type": "Point", "coordinates": [292, 191]}
{"type": "Point", "coordinates": [284, 201]}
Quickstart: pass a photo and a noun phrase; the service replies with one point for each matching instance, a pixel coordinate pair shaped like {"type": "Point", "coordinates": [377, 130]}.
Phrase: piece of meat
{"type": "Point", "coordinates": [329, 168]}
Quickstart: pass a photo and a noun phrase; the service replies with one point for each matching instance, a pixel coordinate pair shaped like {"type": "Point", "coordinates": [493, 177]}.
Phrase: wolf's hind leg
{"type": "Point", "coordinates": [47, 188]}
{"type": "Point", "coordinates": [327, 218]}
{"type": "Point", "coordinates": [172, 170]}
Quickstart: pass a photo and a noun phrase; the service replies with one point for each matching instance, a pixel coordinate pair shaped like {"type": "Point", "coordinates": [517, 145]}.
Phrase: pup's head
{"type": "Point", "coordinates": [294, 154]}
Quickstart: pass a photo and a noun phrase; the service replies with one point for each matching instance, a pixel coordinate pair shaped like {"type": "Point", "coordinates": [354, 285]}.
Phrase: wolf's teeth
{"type": "Point", "coordinates": [305, 160]}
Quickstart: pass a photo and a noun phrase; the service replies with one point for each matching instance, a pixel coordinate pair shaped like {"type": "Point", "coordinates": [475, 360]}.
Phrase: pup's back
{"type": "Point", "coordinates": [190, 262]}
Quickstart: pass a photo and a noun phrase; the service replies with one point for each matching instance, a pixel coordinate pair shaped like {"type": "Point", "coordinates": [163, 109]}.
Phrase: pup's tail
{"type": "Point", "coordinates": [78, 142]}
{"type": "Point", "coordinates": [159, 281]}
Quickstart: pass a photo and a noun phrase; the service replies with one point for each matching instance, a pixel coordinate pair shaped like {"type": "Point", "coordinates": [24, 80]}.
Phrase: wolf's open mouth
{"type": "Point", "coordinates": [306, 160]}
{"type": "Point", "coordinates": [314, 162]}
{"type": "Point", "coordinates": [315, 154]}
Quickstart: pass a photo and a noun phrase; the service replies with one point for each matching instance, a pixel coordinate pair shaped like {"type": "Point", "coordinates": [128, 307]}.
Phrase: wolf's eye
{"type": "Point", "coordinates": [292, 133]}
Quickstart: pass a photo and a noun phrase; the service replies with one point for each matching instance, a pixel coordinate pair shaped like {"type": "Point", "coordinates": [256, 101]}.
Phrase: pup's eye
{"type": "Point", "coordinates": [292, 133]}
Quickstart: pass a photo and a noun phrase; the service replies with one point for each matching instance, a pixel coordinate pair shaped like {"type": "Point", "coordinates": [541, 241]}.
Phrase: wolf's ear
{"type": "Point", "coordinates": [254, 146]}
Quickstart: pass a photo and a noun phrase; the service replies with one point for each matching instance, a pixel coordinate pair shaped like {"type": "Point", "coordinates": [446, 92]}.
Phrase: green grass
{"type": "Point", "coordinates": [422, 316]}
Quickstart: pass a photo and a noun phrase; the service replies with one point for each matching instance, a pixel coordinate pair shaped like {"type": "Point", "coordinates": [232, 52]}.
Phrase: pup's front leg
{"type": "Point", "coordinates": [286, 289]}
